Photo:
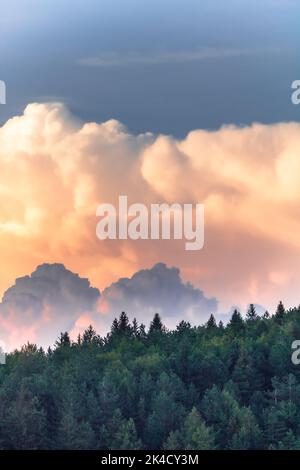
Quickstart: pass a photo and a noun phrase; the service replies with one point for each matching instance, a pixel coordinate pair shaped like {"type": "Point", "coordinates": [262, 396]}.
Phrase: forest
{"type": "Point", "coordinates": [212, 386]}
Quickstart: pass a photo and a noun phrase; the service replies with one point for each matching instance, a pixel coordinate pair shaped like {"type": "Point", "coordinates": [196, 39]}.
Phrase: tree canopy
{"type": "Point", "coordinates": [212, 386]}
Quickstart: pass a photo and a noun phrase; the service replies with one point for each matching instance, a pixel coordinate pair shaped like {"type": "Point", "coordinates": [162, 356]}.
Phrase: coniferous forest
{"type": "Point", "coordinates": [193, 388]}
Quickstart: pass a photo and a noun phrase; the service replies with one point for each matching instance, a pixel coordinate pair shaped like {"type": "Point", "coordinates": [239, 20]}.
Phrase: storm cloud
{"type": "Point", "coordinates": [53, 299]}
{"type": "Point", "coordinates": [159, 289]}
{"type": "Point", "coordinates": [41, 305]}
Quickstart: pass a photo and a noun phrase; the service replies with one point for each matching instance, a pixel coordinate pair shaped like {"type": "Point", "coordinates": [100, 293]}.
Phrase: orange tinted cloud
{"type": "Point", "coordinates": [55, 171]}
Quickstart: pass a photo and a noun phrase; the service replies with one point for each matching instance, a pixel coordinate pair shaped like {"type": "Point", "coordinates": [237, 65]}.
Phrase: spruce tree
{"type": "Point", "coordinates": [196, 435]}
{"type": "Point", "coordinates": [211, 323]}
{"type": "Point", "coordinates": [251, 313]}
{"type": "Point", "coordinates": [236, 324]}
{"type": "Point", "coordinates": [63, 341]}
{"type": "Point", "coordinates": [126, 437]}
{"type": "Point", "coordinates": [124, 325]}
{"type": "Point", "coordinates": [156, 324]}
{"type": "Point", "coordinates": [114, 327]}
{"type": "Point", "coordinates": [280, 313]}
{"type": "Point", "coordinates": [135, 328]}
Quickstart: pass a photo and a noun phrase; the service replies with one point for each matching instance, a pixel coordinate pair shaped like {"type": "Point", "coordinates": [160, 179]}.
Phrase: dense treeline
{"type": "Point", "coordinates": [206, 387]}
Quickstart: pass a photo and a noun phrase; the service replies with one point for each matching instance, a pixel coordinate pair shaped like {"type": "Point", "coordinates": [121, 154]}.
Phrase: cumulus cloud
{"type": "Point", "coordinates": [55, 171]}
{"type": "Point", "coordinates": [53, 299]}
{"type": "Point", "coordinates": [159, 289]}
{"type": "Point", "coordinates": [37, 307]}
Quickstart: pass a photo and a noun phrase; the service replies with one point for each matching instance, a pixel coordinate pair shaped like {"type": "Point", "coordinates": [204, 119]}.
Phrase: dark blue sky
{"type": "Point", "coordinates": [164, 66]}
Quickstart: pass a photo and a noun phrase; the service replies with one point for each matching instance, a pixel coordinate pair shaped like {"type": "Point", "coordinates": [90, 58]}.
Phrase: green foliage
{"type": "Point", "coordinates": [211, 324]}
{"type": "Point", "coordinates": [193, 435]}
{"type": "Point", "coordinates": [280, 313]}
{"type": "Point", "coordinates": [236, 324]}
{"type": "Point", "coordinates": [207, 387]}
{"type": "Point", "coordinates": [126, 437]}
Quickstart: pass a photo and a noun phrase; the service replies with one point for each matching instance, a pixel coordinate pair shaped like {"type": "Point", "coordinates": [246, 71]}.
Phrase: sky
{"type": "Point", "coordinates": [166, 67]}
{"type": "Point", "coordinates": [165, 102]}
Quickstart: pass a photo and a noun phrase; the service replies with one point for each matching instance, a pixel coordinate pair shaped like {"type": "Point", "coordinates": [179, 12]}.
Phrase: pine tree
{"type": "Point", "coordinates": [196, 435]}
{"type": "Point", "coordinates": [114, 327]}
{"type": "Point", "coordinates": [174, 441]}
{"type": "Point", "coordinates": [248, 435]}
{"type": "Point", "coordinates": [289, 442]}
{"type": "Point", "coordinates": [124, 325]}
{"type": "Point", "coordinates": [75, 435]}
{"type": "Point", "coordinates": [142, 332]}
{"type": "Point", "coordinates": [126, 437]}
{"type": "Point", "coordinates": [280, 313]}
{"type": "Point", "coordinates": [90, 336]}
{"type": "Point", "coordinates": [63, 341]}
{"type": "Point", "coordinates": [251, 313]}
{"type": "Point", "coordinates": [275, 427]}
{"type": "Point", "coordinates": [25, 423]}
{"type": "Point", "coordinates": [135, 328]}
{"type": "Point", "coordinates": [211, 323]}
{"type": "Point", "coordinates": [165, 416]}
{"type": "Point", "coordinates": [183, 326]}
{"type": "Point", "coordinates": [236, 324]}
{"type": "Point", "coordinates": [156, 324]}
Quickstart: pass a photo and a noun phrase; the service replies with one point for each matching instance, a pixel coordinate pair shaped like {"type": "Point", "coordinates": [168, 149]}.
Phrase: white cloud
{"type": "Point", "coordinates": [118, 59]}
{"type": "Point", "coordinates": [55, 172]}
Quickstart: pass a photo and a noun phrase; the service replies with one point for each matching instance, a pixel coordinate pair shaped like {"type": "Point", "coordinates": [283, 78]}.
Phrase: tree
{"type": "Point", "coordinates": [62, 348]}
{"type": "Point", "coordinates": [174, 441]}
{"type": "Point", "coordinates": [156, 324]}
{"type": "Point", "coordinates": [248, 435]}
{"type": "Point", "coordinates": [135, 328]}
{"type": "Point", "coordinates": [289, 442]}
{"type": "Point", "coordinates": [193, 435]}
{"type": "Point", "coordinates": [63, 341]}
{"type": "Point", "coordinates": [126, 437]}
{"type": "Point", "coordinates": [183, 326]}
{"type": "Point", "coordinates": [251, 313]}
{"type": "Point", "coordinates": [75, 435]}
{"type": "Point", "coordinates": [275, 427]}
{"type": "Point", "coordinates": [142, 332]}
{"type": "Point", "coordinates": [24, 426]}
{"type": "Point", "coordinates": [236, 324]}
{"type": "Point", "coordinates": [165, 415]}
{"type": "Point", "coordinates": [114, 327]}
{"type": "Point", "coordinates": [196, 435]}
{"type": "Point", "coordinates": [90, 336]}
{"type": "Point", "coordinates": [211, 323]}
{"type": "Point", "coordinates": [197, 387]}
{"type": "Point", "coordinates": [280, 314]}
{"type": "Point", "coordinates": [124, 325]}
